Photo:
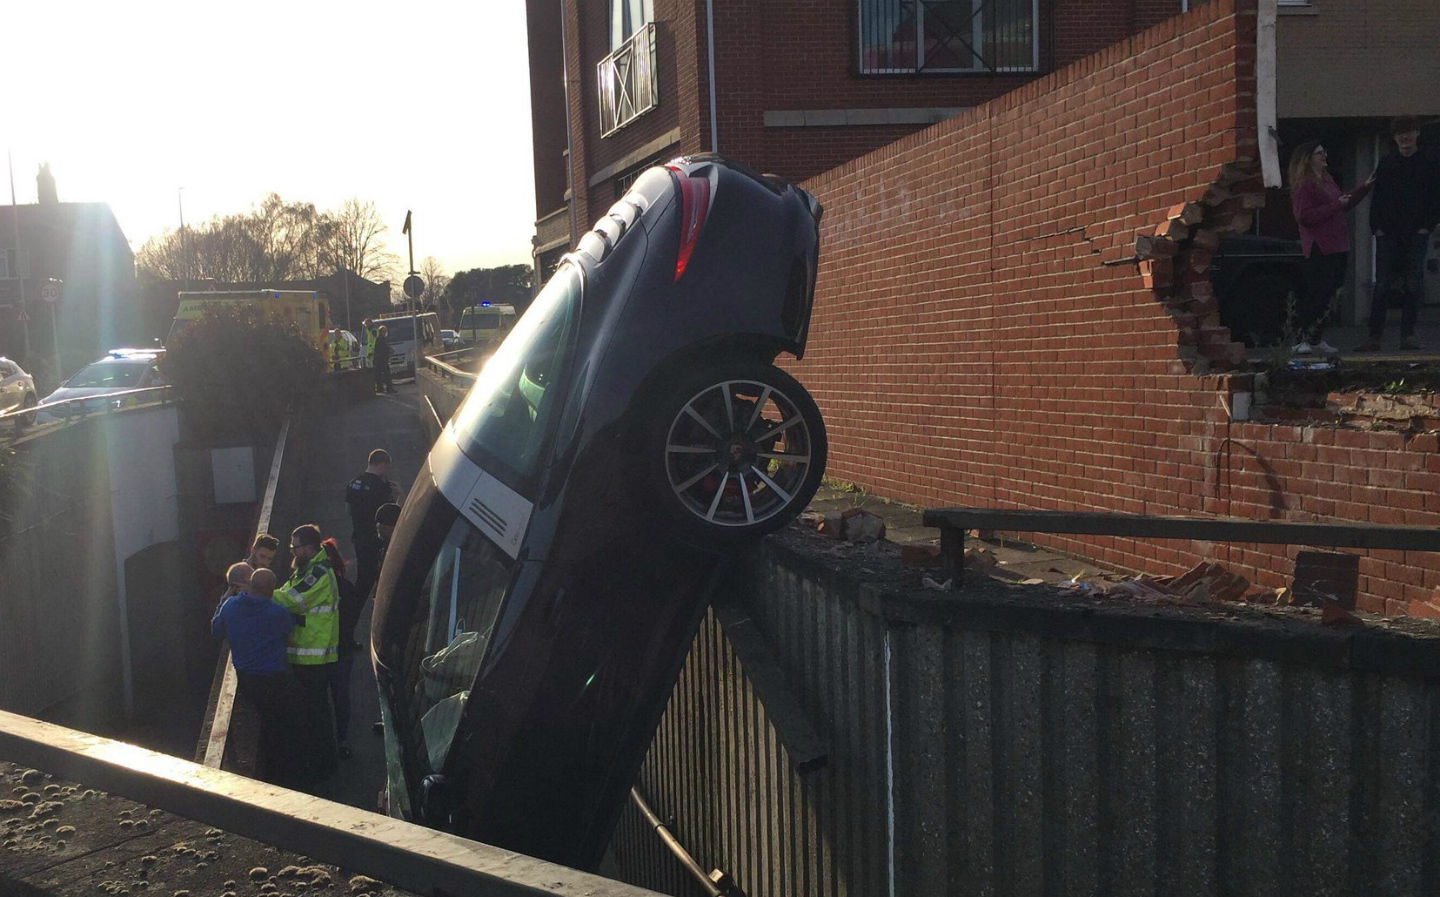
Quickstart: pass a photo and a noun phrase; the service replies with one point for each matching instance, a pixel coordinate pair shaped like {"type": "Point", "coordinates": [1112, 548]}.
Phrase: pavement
{"type": "Point", "coordinates": [336, 452]}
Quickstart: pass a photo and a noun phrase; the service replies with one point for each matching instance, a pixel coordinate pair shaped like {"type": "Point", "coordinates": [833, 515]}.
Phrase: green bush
{"type": "Point", "coordinates": [236, 370]}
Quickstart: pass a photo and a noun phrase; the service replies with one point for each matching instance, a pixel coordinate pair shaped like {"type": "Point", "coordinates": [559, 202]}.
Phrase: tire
{"type": "Point", "coordinates": [727, 478]}
{"type": "Point", "coordinates": [27, 420]}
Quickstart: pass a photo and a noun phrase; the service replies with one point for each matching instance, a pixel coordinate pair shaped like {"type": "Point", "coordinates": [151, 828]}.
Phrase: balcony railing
{"type": "Point", "coordinates": [627, 77]}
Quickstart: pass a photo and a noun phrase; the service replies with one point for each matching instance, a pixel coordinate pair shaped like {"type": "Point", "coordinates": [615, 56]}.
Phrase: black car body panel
{"type": "Point", "coordinates": [1253, 278]}
{"type": "Point", "coordinates": [534, 609]}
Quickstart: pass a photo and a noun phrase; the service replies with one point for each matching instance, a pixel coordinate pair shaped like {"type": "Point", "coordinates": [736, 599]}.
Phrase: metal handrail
{"type": "Point", "coordinates": [219, 733]}
{"type": "Point", "coordinates": [403, 854]}
{"type": "Point", "coordinates": [103, 397]}
{"type": "Point", "coordinates": [716, 884]}
{"type": "Point", "coordinates": [448, 370]}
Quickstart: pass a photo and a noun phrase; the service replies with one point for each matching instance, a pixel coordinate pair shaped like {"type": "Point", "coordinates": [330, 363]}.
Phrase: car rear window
{"type": "Point", "coordinates": [109, 374]}
{"type": "Point", "coordinates": [505, 417]}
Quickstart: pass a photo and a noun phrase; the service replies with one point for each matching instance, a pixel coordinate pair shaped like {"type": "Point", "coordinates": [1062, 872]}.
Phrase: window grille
{"type": "Point", "coordinates": [628, 86]}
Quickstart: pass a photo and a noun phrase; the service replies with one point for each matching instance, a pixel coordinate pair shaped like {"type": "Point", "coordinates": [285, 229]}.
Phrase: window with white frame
{"type": "Point", "coordinates": [628, 17]}
{"type": "Point", "coordinates": [910, 36]}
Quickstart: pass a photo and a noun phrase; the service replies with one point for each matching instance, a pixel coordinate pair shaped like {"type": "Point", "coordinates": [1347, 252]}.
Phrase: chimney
{"type": "Point", "coordinates": [45, 186]}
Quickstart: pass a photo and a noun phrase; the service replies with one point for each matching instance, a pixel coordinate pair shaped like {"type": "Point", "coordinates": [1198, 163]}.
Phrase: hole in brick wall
{"type": "Point", "coordinates": [1175, 260]}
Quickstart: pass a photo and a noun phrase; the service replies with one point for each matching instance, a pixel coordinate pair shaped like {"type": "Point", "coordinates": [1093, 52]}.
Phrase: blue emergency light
{"type": "Point", "coordinates": [484, 305]}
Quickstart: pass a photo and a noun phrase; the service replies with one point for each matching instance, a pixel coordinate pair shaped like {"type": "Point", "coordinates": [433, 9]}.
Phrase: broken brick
{"type": "Point", "coordinates": [1187, 213]}
{"type": "Point", "coordinates": [1205, 239]}
{"type": "Point", "coordinates": [920, 555]}
{"type": "Point", "coordinates": [1157, 273]}
{"type": "Point", "coordinates": [1172, 230]}
{"type": "Point", "coordinates": [1332, 614]}
{"type": "Point", "coordinates": [1150, 246]}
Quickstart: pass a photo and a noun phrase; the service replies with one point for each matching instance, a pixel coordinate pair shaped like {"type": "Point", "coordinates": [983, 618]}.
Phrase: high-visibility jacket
{"type": "Point", "coordinates": [370, 334]}
{"type": "Point", "coordinates": [313, 593]}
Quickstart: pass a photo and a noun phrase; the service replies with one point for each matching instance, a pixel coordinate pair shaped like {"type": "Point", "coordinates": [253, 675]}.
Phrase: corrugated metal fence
{"type": "Point", "coordinates": [1003, 743]}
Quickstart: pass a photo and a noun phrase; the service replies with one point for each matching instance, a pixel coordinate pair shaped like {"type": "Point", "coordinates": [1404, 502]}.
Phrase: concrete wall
{"type": "Point", "coordinates": [58, 595]}
{"type": "Point", "coordinates": [98, 493]}
{"type": "Point", "coordinates": [1011, 741]}
{"type": "Point", "coordinates": [1358, 58]}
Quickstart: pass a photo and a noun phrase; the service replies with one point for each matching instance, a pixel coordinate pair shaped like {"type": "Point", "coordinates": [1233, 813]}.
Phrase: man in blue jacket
{"type": "Point", "coordinates": [256, 628]}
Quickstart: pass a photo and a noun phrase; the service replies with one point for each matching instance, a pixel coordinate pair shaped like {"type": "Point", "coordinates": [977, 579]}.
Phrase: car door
{"type": "Point", "coordinates": [12, 389]}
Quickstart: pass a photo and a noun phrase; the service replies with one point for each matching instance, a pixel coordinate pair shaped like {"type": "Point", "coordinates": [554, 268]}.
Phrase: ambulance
{"type": "Point", "coordinates": [303, 308]}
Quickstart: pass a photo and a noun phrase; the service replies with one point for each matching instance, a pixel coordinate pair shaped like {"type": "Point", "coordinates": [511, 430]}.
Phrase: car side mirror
{"type": "Point", "coordinates": [438, 802]}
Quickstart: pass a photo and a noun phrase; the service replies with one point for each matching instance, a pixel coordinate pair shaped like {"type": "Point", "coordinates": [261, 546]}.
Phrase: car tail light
{"type": "Point", "coordinates": [694, 204]}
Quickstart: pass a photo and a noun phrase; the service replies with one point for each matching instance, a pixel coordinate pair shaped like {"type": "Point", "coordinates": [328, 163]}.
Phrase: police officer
{"type": "Point", "coordinates": [313, 595]}
{"type": "Point", "coordinates": [335, 348]}
{"type": "Point", "coordinates": [370, 334]}
{"type": "Point", "coordinates": [365, 494]}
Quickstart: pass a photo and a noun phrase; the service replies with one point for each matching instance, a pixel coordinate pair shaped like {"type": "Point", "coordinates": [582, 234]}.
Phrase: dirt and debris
{"type": "Point", "coordinates": [62, 839]}
{"type": "Point", "coordinates": [1209, 591]}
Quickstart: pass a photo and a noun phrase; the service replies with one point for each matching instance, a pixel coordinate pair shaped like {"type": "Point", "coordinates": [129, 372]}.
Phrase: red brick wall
{"type": "Point", "coordinates": [787, 56]}
{"type": "Point", "coordinates": [968, 346]}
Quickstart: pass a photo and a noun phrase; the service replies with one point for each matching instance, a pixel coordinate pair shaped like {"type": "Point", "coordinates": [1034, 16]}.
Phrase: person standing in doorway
{"type": "Point", "coordinates": [383, 383]}
{"type": "Point", "coordinates": [313, 595]}
{"type": "Point", "coordinates": [1320, 208]}
{"type": "Point", "coordinates": [1403, 215]}
{"type": "Point", "coordinates": [364, 496]}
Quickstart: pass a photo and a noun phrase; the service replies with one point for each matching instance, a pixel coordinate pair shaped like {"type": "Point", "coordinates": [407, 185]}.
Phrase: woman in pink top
{"type": "Point", "coordinates": [1320, 210]}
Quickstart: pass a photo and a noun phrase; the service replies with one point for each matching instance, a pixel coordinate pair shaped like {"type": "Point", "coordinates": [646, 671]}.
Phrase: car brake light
{"type": "Point", "coordinates": [694, 204]}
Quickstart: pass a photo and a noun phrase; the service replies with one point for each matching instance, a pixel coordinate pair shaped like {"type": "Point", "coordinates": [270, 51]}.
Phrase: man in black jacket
{"type": "Point", "coordinates": [364, 496]}
{"type": "Point", "coordinates": [1404, 211]}
{"type": "Point", "coordinates": [382, 361]}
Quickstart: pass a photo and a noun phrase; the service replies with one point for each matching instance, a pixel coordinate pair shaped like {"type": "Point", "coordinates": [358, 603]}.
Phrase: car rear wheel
{"type": "Point", "coordinates": [738, 451]}
{"type": "Point", "coordinates": [28, 419]}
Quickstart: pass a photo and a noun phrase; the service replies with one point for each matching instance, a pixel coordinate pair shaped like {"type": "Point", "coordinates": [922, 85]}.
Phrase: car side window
{"type": "Point", "coordinates": [6, 370]}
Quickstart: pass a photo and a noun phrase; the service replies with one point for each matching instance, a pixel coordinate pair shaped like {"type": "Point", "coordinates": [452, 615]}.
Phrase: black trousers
{"type": "Point", "coordinates": [382, 375]}
{"type": "Point", "coordinates": [1398, 257]}
{"type": "Point", "coordinates": [367, 564]}
{"type": "Point", "coordinates": [277, 701]}
{"type": "Point", "coordinates": [317, 726]}
{"type": "Point", "coordinates": [1324, 275]}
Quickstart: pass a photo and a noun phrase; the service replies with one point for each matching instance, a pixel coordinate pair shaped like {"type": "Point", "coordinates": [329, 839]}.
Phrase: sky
{"type": "Point", "coordinates": [417, 105]}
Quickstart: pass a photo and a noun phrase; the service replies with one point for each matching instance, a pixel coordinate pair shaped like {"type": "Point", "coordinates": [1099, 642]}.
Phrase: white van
{"type": "Point", "coordinates": [411, 337]}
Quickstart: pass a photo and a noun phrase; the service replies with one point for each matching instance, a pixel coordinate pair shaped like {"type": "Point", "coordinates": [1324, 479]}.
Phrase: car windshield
{"type": "Point", "coordinates": [109, 374]}
{"type": "Point", "coordinates": [433, 629]}
{"type": "Point", "coordinates": [399, 329]}
{"type": "Point", "coordinates": [503, 420]}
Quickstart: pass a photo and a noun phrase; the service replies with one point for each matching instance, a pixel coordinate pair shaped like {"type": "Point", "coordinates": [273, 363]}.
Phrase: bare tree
{"type": "Point", "coordinates": [435, 281]}
{"type": "Point", "coordinates": [357, 242]}
{"type": "Point", "coordinates": [274, 241]}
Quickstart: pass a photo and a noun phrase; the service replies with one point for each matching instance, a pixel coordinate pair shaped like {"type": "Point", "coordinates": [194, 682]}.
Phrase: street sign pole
{"type": "Point", "coordinates": [19, 280]}
{"type": "Point", "coordinates": [51, 294]}
{"type": "Point", "coordinates": [411, 236]}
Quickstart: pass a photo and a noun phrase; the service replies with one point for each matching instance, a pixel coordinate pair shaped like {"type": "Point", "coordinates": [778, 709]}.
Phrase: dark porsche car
{"type": "Point", "coordinates": [559, 547]}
